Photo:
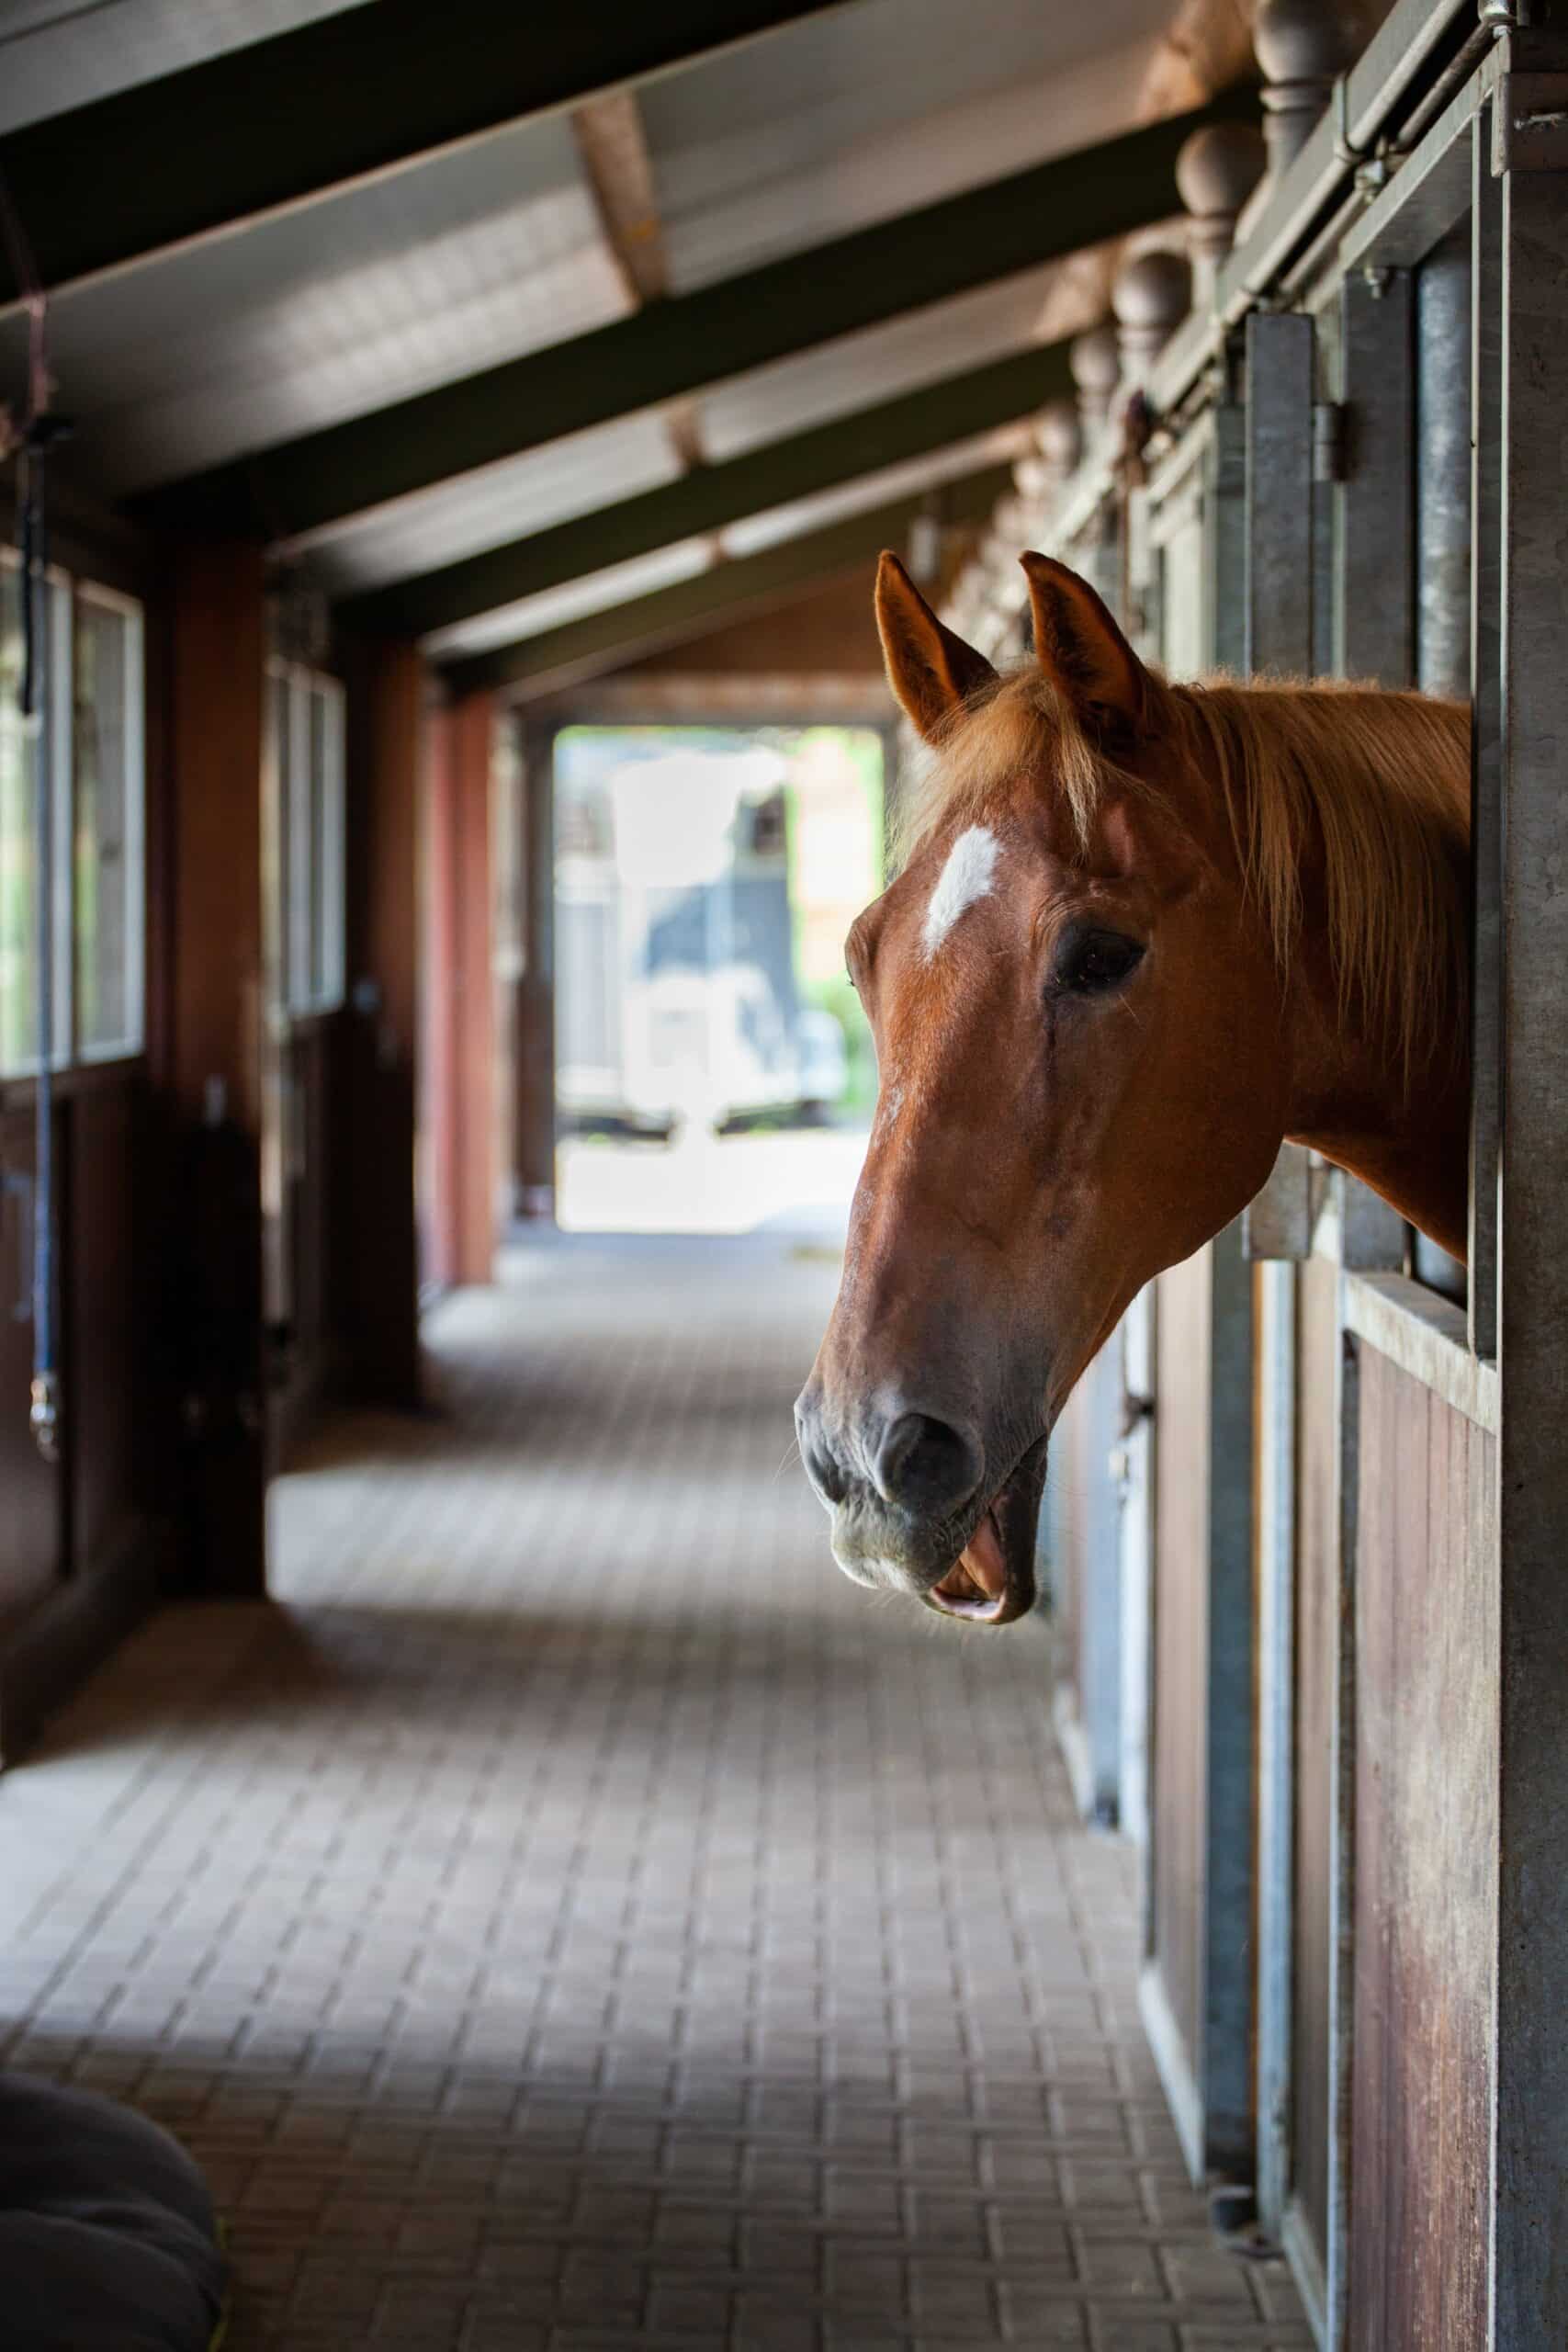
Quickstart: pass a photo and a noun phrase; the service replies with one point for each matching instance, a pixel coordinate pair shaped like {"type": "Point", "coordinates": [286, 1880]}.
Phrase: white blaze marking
{"type": "Point", "coordinates": [971, 863]}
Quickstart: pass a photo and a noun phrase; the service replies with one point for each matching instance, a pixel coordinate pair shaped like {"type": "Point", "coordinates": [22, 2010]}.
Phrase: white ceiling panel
{"type": "Point", "coordinates": [311, 317]}
{"type": "Point", "coordinates": [858, 370]}
{"type": "Point", "coordinates": [803, 515]}
{"type": "Point", "coordinates": [55, 54]}
{"type": "Point", "coordinates": [494, 504]}
{"type": "Point", "coordinates": [594, 592]}
{"type": "Point", "coordinates": [868, 111]}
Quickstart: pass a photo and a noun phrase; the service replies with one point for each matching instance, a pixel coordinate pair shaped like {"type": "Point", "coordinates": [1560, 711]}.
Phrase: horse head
{"type": "Point", "coordinates": [1078, 1010]}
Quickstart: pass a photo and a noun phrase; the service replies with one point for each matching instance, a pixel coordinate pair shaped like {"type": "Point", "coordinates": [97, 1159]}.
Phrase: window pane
{"type": "Point", "coordinates": [274, 843]}
{"type": "Point", "coordinates": [18, 816]}
{"type": "Point", "coordinates": [18, 893]}
{"type": "Point", "coordinates": [326, 896]}
{"type": "Point", "coordinates": [108, 827]}
{"type": "Point", "coordinates": [301, 843]}
{"type": "Point", "coordinates": [319, 855]}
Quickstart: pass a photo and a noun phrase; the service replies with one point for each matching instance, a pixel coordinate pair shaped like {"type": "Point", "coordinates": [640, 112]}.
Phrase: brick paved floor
{"type": "Point", "coordinates": [577, 1917]}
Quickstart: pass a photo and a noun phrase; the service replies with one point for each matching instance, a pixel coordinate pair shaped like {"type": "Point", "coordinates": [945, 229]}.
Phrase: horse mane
{"type": "Point", "coordinates": [1373, 784]}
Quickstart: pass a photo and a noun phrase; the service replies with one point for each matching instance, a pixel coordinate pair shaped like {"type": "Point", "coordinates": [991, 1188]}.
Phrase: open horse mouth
{"type": "Point", "coordinates": [992, 1581]}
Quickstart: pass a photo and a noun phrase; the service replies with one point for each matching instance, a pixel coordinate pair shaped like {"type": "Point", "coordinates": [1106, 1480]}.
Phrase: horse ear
{"type": "Point", "coordinates": [928, 668]}
{"type": "Point", "coordinates": [1080, 649]}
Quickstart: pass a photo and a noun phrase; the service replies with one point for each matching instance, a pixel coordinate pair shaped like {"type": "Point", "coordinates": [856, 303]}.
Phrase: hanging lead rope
{"type": "Point", "coordinates": [38, 735]}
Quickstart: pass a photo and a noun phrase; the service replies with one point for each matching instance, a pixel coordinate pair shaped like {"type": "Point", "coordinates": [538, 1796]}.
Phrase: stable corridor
{"type": "Point", "coordinates": [575, 1917]}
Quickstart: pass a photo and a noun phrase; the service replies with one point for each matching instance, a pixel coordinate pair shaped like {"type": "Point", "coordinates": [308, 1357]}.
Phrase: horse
{"type": "Point", "coordinates": [1140, 932]}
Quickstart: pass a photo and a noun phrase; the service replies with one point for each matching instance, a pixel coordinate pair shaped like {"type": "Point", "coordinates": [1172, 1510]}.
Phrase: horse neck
{"type": "Point", "coordinates": [1416, 1157]}
{"type": "Point", "coordinates": [1404, 1131]}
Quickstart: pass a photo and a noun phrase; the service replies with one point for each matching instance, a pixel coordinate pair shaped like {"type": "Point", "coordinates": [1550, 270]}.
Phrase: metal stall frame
{"type": "Point", "coordinates": [1316, 322]}
{"type": "Point", "coordinates": [1189, 520]}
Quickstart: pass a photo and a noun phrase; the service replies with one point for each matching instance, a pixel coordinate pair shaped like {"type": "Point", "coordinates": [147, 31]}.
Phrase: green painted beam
{"type": "Point", "coordinates": [706, 500]}
{"type": "Point", "coordinates": [624, 632]}
{"type": "Point", "coordinates": [674, 349]}
{"type": "Point", "coordinates": [292, 119]}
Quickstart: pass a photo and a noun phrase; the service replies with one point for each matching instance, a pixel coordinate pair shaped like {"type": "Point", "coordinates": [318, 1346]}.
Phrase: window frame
{"type": "Point", "coordinates": [308, 811]}
{"type": "Point", "coordinates": [134, 1041]}
{"type": "Point", "coordinates": [61, 786]}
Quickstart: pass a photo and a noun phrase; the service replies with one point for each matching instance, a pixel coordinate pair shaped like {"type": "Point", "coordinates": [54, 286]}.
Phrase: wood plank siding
{"type": "Point", "coordinates": [1426, 1879]}
{"type": "Point", "coordinates": [1183, 1357]}
{"type": "Point", "coordinates": [1317, 1602]}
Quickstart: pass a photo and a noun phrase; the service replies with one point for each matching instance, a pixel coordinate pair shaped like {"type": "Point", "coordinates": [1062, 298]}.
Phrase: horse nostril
{"type": "Point", "coordinates": [816, 1454]}
{"type": "Point", "coordinates": [924, 1463]}
{"type": "Point", "coordinates": [824, 1472]}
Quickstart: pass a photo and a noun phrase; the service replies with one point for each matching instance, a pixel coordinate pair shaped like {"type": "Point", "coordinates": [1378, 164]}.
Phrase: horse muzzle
{"type": "Point", "coordinates": [914, 1511]}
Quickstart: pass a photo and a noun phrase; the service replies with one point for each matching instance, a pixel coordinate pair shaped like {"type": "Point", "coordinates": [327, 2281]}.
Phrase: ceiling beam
{"type": "Point", "coordinates": [694, 342]}
{"type": "Point", "coordinates": [625, 632]}
{"type": "Point", "coordinates": [710, 497]}
{"type": "Point", "coordinates": [612, 144]}
{"type": "Point", "coordinates": [289, 121]}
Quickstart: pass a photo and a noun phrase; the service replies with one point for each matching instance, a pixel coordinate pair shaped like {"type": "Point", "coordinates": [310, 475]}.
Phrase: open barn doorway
{"type": "Point", "coordinates": [714, 1073]}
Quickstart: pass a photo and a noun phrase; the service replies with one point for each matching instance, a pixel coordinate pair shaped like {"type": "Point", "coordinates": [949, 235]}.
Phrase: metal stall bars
{"type": "Point", "coordinates": [1197, 1990]}
{"type": "Point", "coordinates": [1096, 1674]}
{"type": "Point", "coordinates": [1412, 1493]}
{"type": "Point", "coordinates": [1445, 2205]}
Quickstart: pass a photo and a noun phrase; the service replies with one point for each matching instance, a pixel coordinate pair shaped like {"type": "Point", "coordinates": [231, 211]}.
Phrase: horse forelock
{"type": "Point", "coordinates": [1015, 730]}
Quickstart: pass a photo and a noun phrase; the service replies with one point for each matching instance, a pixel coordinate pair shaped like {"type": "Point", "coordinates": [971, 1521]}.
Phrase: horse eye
{"type": "Point", "coordinates": [1092, 961]}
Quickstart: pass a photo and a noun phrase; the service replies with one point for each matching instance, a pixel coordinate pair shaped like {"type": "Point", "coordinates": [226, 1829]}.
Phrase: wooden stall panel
{"type": "Point", "coordinates": [1317, 1588]}
{"type": "Point", "coordinates": [1181, 1643]}
{"type": "Point", "coordinates": [1426, 1880]}
{"type": "Point", "coordinates": [107, 1369]}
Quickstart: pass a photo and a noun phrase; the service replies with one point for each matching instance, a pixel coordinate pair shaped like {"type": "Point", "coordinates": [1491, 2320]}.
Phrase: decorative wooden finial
{"type": "Point", "coordinates": [1216, 170]}
{"type": "Point", "coordinates": [1058, 443]}
{"type": "Point", "coordinates": [1096, 364]}
{"type": "Point", "coordinates": [1151, 297]}
{"type": "Point", "coordinates": [1058, 437]}
{"type": "Point", "coordinates": [1302, 46]}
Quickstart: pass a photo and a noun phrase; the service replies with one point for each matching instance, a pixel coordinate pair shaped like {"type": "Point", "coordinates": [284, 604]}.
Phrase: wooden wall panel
{"type": "Point", "coordinates": [106, 1371]}
{"type": "Point", "coordinates": [1318, 1587]}
{"type": "Point", "coordinates": [1425, 1882]}
{"type": "Point", "coordinates": [458, 1095]}
{"type": "Point", "coordinates": [213, 1215]}
{"type": "Point", "coordinates": [374, 1253]}
{"type": "Point", "coordinates": [532, 1026]}
{"type": "Point", "coordinates": [220, 656]}
{"type": "Point", "coordinates": [1181, 1642]}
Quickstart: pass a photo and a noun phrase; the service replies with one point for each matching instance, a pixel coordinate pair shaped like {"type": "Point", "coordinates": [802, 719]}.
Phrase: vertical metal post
{"type": "Point", "coordinates": [1342, 1884]}
{"type": "Point", "coordinates": [1279, 638]}
{"type": "Point", "coordinates": [1229, 1865]}
{"type": "Point", "coordinates": [1278, 493]}
{"type": "Point", "coordinates": [1531, 2148]}
{"type": "Point", "coordinates": [1485, 689]}
{"type": "Point", "coordinates": [1099, 1624]}
{"type": "Point", "coordinates": [1226, 490]}
{"type": "Point", "coordinates": [1137, 1547]}
{"type": "Point", "coordinates": [1276, 1291]}
{"type": "Point", "coordinates": [1442, 468]}
{"type": "Point", "coordinates": [1374, 603]}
